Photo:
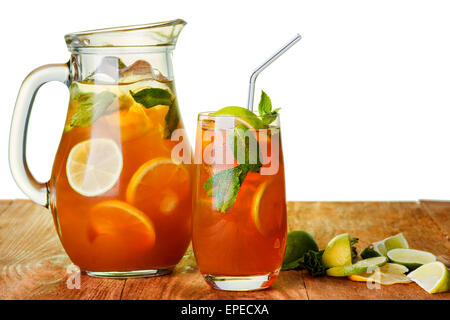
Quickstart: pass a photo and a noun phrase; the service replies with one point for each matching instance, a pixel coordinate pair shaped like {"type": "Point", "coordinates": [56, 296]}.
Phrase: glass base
{"type": "Point", "coordinates": [130, 274]}
{"type": "Point", "coordinates": [241, 283]}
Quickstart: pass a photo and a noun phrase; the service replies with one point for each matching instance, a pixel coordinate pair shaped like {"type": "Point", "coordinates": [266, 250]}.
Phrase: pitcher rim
{"type": "Point", "coordinates": [136, 36]}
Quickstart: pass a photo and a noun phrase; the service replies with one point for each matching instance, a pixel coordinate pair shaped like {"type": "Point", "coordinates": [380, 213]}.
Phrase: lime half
{"type": "Point", "coordinates": [411, 258]}
{"type": "Point", "coordinates": [393, 242]}
{"type": "Point", "coordinates": [432, 277]}
{"type": "Point", "coordinates": [366, 265]}
{"type": "Point", "coordinates": [243, 114]}
{"type": "Point", "coordinates": [338, 252]}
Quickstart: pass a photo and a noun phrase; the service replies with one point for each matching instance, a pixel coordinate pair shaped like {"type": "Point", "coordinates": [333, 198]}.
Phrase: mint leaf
{"type": "Point", "coordinates": [91, 107]}
{"type": "Point", "coordinates": [225, 185]}
{"type": "Point", "coordinates": [151, 97]}
{"type": "Point", "coordinates": [268, 118]}
{"type": "Point", "coordinates": [245, 148]}
{"type": "Point", "coordinates": [291, 265]}
{"type": "Point", "coordinates": [172, 119]}
{"type": "Point", "coordinates": [265, 109]}
{"type": "Point", "coordinates": [369, 253]}
{"type": "Point", "coordinates": [77, 94]}
{"type": "Point", "coordinates": [312, 261]}
{"type": "Point", "coordinates": [265, 104]}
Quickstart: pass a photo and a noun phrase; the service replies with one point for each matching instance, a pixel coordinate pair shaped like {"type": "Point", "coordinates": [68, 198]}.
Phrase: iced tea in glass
{"type": "Point", "coordinates": [239, 215]}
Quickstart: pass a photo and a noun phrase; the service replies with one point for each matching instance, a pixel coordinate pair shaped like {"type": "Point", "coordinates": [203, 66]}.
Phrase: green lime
{"type": "Point", "coordinates": [393, 242]}
{"type": "Point", "coordinates": [297, 244]}
{"type": "Point", "coordinates": [243, 114]}
{"type": "Point", "coordinates": [362, 266]}
{"type": "Point", "coordinates": [338, 252]}
{"type": "Point", "coordinates": [410, 258]}
{"type": "Point", "coordinates": [433, 277]}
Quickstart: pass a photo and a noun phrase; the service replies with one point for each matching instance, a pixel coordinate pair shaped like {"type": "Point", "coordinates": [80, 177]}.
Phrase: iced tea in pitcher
{"type": "Point", "coordinates": [121, 203]}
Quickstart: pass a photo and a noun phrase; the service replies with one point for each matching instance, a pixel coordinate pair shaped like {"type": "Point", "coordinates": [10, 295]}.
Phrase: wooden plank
{"type": "Point", "coordinates": [33, 264]}
{"type": "Point", "coordinates": [370, 221]}
{"type": "Point", "coordinates": [187, 283]}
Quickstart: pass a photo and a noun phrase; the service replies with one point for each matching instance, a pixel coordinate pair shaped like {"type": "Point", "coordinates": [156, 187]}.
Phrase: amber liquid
{"type": "Point", "coordinates": [139, 134]}
{"type": "Point", "coordinates": [242, 241]}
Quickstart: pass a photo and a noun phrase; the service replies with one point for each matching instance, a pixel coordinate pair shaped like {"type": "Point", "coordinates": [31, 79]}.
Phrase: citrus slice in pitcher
{"type": "Point", "coordinates": [118, 219]}
{"type": "Point", "coordinates": [267, 207]}
{"type": "Point", "coordinates": [158, 185]}
{"type": "Point", "coordinates": [93, 166]}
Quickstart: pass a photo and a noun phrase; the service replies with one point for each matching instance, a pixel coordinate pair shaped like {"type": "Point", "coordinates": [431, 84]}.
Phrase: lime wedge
{"type": "Point", "coordinates": [338, 252]}
{"type": "Point", "coordinates": [390, 273]}
{"type": "Point", "coordinates": [366, 265]}
{"type": "Point", "coordinates": [393, 242]}
{"type": "Point", "coordinates": [433, 277]}
{"type": "Point", "coordinates": [410, 258]}
{"type": "Point", "coordinates": [243, 114]}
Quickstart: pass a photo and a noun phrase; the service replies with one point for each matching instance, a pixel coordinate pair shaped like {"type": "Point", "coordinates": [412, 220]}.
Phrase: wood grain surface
{"type": "Point", "coordinates": [33, 264]}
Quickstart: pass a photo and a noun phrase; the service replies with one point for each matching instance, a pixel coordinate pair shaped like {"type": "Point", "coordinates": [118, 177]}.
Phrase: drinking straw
{"type": "Point", "coordinates": [255, 74]}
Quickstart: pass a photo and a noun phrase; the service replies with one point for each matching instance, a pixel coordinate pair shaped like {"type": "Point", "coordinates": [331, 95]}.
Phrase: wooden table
{"type": "Point", "coordinates": [33, 264]}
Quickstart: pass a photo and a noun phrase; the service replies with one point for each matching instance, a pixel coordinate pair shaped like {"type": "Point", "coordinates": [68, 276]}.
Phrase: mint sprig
{"type": "Point", "coordinates": [225, 184]}
{"type": "Point", "coordinates": [151, 97]}
{"type": "Point", "coordinates": [265, 109]}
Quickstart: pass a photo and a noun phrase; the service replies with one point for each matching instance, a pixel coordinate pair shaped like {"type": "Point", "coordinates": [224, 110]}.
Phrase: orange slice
{"type": "Point", "coordinates": [122, 221]}
{"type": "Point", "coordinates": [158, 186]}
{"type": "Point", "coordinates": [268, 207]}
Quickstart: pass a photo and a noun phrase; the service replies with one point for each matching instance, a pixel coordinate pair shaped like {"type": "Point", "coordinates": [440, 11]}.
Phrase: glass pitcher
{"type": "Point", "coordinates": [121, 204]}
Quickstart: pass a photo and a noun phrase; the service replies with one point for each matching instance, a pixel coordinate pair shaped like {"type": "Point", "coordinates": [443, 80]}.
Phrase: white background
{"type": "Point", "coordinates": [365, 96]}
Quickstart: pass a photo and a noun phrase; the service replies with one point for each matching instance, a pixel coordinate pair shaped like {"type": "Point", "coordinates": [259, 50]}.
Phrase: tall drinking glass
{"type": "Point", "coordinates": [239, 210]}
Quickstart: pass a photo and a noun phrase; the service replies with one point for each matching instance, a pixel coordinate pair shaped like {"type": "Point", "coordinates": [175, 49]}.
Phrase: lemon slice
{"type": "Point", "coordinates": [390, 273]}
{"type": "Point", "coordinates": [432, 277]}
{"type": "Point", "coordinates": [158, 186]}
{"type": "Point", "coordinates": [268, 207]}
{"type": "Point", "coordinates": [94, 166]}
{"type": "Point", "coordinates": [411, 258]}
{"type": "Point", "coordinates": [393, 242]}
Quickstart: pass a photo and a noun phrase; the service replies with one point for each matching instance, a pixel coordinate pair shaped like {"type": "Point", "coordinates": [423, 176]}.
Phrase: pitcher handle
{"type": "Point", "coordinates": [35, 190]}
